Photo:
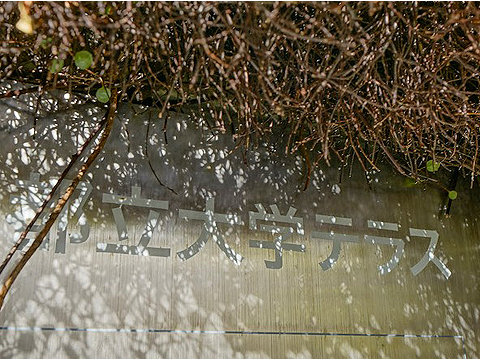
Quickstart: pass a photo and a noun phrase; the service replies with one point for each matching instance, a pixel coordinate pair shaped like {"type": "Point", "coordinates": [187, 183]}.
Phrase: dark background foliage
{"type": "Point", "coordinates": [366, 81]}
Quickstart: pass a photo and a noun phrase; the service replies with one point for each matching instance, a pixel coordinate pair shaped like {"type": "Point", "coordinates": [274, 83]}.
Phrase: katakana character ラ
{"type": "Point", "coordinates": [335, 237]}
{"type": "Point", "coordinates": [398, 243]}
{"type": "Point", "coordinates": [281, 232]}
{"type": "Point", "coordinates": [142, 248]}
{"type": "Point", "coordinates": [210, 228]}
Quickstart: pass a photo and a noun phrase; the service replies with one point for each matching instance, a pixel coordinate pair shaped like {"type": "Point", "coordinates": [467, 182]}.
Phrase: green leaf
{"type": "Point", "coordinates": [174, 95]}
{"type": "Point", "coordinates": [83, 59]}
{"type": "Point", "coordinates": [103, 94]}
{"type": "Point", "coordinates": [29, 66]}
{"type": "Point", "coordinates": [432, 166]}
{"type": "Point", "coordinates": [160, 92]}
{"type": "Point", "coordinates": [56, 66]}
{"type": "Point", "coordinates": [45, 43]}
{"type": "Point", "coordinates": [452, 194]}
{"type": "Point", "coordinates": [409, 182]}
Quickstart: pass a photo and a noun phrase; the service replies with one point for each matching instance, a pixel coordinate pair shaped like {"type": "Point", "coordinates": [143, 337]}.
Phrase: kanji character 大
{"type": "Point", "coordinates": [210, 229]}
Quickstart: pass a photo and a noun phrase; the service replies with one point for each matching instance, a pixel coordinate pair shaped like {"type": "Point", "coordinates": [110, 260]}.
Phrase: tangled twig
{"type": "Point", "coordinates": [394, 79]}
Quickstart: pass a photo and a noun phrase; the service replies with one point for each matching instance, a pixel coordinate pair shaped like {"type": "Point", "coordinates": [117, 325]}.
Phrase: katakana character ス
{"type": "Point", "coordinates": [210, 228]}
{"type": "Point", "coordinates": [398, 243]}
{"type": "Point", "coordinates": [335, 237]}
{"type": "Point", "coordinates": [281, 232]}
{"type": "Point", "coordinates": [429, 255]}
{"type": "Point", "coordinates": [142, 248]}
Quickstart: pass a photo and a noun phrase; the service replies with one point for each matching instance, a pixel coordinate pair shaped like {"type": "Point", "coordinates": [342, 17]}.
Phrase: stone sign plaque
{"type": "Point", "coordinates": [177, 244]}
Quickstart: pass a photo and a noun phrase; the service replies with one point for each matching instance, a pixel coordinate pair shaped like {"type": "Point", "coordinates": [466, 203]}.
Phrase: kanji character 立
{"type": "Point", "coordinates": [142, 247]}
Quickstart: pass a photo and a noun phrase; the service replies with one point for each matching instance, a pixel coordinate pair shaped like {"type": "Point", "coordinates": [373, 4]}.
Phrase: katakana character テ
{"type": "Point", "coordinates": [142, 248]}
{"type": "Point", "coordinates": [335, 237]}
{"type": "Point", "coordinates": [282, 233]}
{"type": "Point", "coordinates": [429, 255]}
{"type": "Point", "coordinates": [398, 243]}
{"type": "Point", "coordinates": [210, 228]}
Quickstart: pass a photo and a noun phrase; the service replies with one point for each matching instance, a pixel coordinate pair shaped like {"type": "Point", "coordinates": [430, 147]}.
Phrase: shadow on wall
{"type": "Point", "coordinates": [84, 288]}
